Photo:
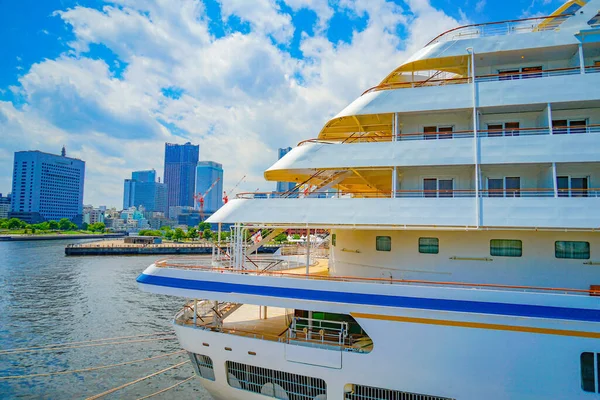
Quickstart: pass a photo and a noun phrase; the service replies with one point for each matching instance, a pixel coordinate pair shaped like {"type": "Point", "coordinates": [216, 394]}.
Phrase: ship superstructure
{"type": "Point", "coordinates": [460, 202]}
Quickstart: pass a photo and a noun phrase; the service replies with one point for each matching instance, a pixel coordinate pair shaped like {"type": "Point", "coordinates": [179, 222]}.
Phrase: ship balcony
{"type": "Point", "coordinates": [502, 28]}
{"type": "Point", "coordinates": [548, 73]}
{"type": "Point", "coordinates": [375, 137]}
{"type": "Point", "coordinates": [293, 327]}
{"type": "Point", "coordinates": [541, 208]}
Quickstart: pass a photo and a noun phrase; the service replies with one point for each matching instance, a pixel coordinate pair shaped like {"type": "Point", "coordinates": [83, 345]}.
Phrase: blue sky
{"type": "Point", "coordinates": [114, 80]}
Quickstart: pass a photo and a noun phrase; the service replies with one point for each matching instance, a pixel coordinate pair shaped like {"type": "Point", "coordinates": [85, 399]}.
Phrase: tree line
{"type": "Point", "coordinates": [62, 225]}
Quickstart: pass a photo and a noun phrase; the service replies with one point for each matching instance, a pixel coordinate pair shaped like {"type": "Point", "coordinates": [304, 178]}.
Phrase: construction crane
{"type": "Point", "coordinates": [200, 198]}
{"type": "Point", "coordinates": [226, 195]}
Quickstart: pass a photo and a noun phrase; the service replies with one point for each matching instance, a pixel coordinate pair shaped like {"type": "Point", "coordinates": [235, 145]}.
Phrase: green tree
{"type": "Point", "coordinates": [44, 226]}
{"type": "Point", "coordinates": [224, 235]}
{"type": "Point", "coordinates": [295, 236]}
{"type": "Point", "coordinates": [207, 234]}
{"type": "Point", "coordinates": [85, 226]}
{"type": "Point", "coordinates": [149, 232]}
{"type": "Point", "coordinates": [202, 226]}
{"type": "Point", "coordinates": [178, 234]}
{"type": "Point", "coordinates": [282, 237]}
{"type": "Point", "coordinates": [15, 223]}
{"type": "Point", "coordinates": [169, 234]}
{"type": "Point", "coordinates": [192, 233]}
{"type": "Point", "coordinates": [53, 225]}
{"type": "Point", "coordinates": [97, 227]}
{"type": "Point", "coordinates": [64, 224]}
{"type": "Point", "coordinates": [3, 223]}
{"type": "Point", "coordinates": [165, 228]}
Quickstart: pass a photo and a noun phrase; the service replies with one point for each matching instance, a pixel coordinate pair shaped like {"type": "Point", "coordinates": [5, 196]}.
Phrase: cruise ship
{"type": "Point", "coordinates": [458, 214]}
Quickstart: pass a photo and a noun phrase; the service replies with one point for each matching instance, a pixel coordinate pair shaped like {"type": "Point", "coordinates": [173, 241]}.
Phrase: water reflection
{"type": "Point", "coordinates": [47, 298]}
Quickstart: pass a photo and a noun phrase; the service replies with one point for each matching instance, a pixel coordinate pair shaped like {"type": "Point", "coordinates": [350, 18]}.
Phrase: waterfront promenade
{"type": "Point", "coordinates": [58, 236]}
{"type": "Point", "coordinates": [119, 247]}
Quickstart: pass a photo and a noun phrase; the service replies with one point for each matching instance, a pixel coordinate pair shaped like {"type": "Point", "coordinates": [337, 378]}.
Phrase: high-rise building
{"type": "Point", "coordinates": [144, 176]}
{"type": "Point", "coordinates": [143, 190]}
{"type": "Point", "coordinates": [180, 173]}
{"type": "Point", "coordinates": [4, 206]}
{"type": "Point", "coordinates": [47, 187]}
{"type": "Point", "coordinates": [284, 186]}
{"type": "Point", "coordinates": [207, 172]}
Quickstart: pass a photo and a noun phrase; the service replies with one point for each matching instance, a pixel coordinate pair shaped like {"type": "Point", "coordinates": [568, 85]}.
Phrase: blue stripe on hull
{"type": "Point", "coordinates": [519, 310]}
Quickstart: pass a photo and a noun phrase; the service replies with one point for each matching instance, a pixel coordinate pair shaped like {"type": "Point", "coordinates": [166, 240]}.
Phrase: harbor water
{"type": "Point", "coordinates": [48, 298]}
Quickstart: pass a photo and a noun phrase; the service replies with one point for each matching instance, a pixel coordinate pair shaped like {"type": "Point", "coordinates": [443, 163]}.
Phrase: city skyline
{"type": "Point", "coordinates": [114, 81]}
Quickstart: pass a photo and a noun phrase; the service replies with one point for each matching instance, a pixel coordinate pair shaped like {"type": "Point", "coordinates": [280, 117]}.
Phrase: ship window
{"type": "Point", "coordinates": [520, 73]}
{"type": "Point", "coordinates": [595, 21]}
{"type": "Point", "coordinates": [569, 126]}
{"type": "Point", "coordinates": [333, 239]}
{"type": "Point", "coordinates": [383, 243]}
{"type": "Point", "coordinates": [438, 132]}
{"type": "Point", "coordinates": [573, 250]}
{"type": "Point", "coordinates": [506, 248]}
{"type": "Point", "coordinates": [429, 245]}
{"type": "Point", "coordinates": [588, 372]}
{"type": "Point", "coordinates": [433, 187]}
{"type": "Point", "coordinates": [503, 129]}
{"type": "Point", "coordinates": [509, 186]}
{"type": "Point", "coordinates": [572, 187]}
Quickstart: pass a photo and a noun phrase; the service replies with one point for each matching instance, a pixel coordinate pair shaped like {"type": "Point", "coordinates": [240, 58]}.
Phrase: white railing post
{"type": "Point", "coordinates": [581, 58]}
{"type": "Point", "coordinates": [554, 179]}
{"type": "Point", "coordinates": [550, 128]}
{"type": "Point", "coordinates": [475, 139]}
{"type": "Point", "coordinates": [307, 252]}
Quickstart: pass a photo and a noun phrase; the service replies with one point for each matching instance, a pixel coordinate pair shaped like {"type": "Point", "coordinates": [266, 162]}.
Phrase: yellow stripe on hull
{"type": "Point", "coordinates": [479, 325]}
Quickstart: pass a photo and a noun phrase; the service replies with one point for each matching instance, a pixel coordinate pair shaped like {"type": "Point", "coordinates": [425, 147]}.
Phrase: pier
{"type": "Point", "coordinates": [120, 248]}
{"type": "Point", "coordinates": [57, 236]}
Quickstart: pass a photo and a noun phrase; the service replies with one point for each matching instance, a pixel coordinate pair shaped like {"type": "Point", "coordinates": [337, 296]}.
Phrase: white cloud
{"type": "Point", "coordinates": [242, 97]}
{"type": "Point", "coordinates": [263, 15]}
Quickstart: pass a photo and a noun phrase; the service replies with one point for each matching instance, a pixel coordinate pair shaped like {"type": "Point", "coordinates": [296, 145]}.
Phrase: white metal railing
{"type": "Point", "coordinates": [501, 28]}
{"type": "Point", "coordinates": [306, 330]}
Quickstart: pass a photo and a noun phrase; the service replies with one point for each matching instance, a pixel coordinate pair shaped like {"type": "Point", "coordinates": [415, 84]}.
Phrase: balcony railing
{"type": "Point", "coordinates": [502, 28]}
{"type": "Point", "coordinates": [368, 137]}
{"type": "Point", "coordinates": [506, 76]}
{"type": "Point", "coordinates": [482, 286]}
{"type": "Point", "coordinates": [419, 193]}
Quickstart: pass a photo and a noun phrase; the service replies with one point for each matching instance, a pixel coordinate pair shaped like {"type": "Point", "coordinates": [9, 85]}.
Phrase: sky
{"type": "Point", "coordinates": [114, 80]}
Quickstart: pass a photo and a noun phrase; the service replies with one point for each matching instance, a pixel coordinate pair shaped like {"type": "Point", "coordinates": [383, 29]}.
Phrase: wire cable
{"type": "Point", "coordinates": [87, 345]}
{"type": "Point", "coordinates": [167, 389]}
{"type": "Point", "coordinates": [76, 371]}
{"type": "Point", "coordinates": [97, 396]}
{"type": "Point", "coordinates": [22, 349]}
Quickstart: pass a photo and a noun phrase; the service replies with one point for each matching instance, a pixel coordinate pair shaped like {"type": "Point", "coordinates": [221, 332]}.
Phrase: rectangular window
{"type": "Point", "coordinates": [569, 126]}
{"type": "Point", "coordinates": [429, 245]}
{"type": "Point", "coordinates": [383, 243]}
{"type": "Point", "coordinates": [532, 72]}
{"type": "Point", "coordinates": [588, 373]}
{"type": "Point", "coordinates": [572, 250]}
{"type": "Point", "coordinates": [203, 366]}
{"type": "Point", "coordinates": [333, 239]}
{"type": "Point", "coordinates": [509, 74]}
{"type": "Point", "coordinates": [438, 132]}
{"type": "Point", "coordinates": [433, 187]}
{"type": "Point", "coordinates": [506, 248]}
{"type": "Point", "coordinates": [509, 186]}
{"type": "Point", "coordinates": [572, 187]}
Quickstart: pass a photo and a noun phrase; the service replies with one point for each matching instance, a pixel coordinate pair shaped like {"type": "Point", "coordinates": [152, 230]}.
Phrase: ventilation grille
{"type": "Point", "coordinates": [361, 392]}
{"type": "Point", "coordinates": [276, 384]}
{"type": "Point", "coordinates": [203, 366]}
